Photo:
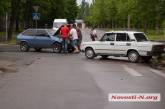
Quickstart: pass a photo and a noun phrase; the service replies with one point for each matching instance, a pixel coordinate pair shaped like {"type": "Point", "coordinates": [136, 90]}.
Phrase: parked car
{"type": "Point", "coordinates": [129, 44]}
{"type": "Point", "coordinates": [39, 39]}
{"type": "Point", "coordinates": [58, 23]}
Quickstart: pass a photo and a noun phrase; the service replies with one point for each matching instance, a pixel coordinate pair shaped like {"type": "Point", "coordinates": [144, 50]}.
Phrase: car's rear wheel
{"type": "Point", "coordinates": [89, 53]}
{"type": "Point", "coordinates": [133, 56]}
{"type": "Point", "coordinates": [38, 49]}
{"type": "Point", "coordinates": [24, 47]}
{"type": "Point", "coordinates": [57, 47]}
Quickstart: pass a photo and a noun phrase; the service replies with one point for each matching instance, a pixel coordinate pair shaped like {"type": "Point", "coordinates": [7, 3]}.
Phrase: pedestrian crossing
{"type": "Point", "coordinates": [136, 73]}
{"type": "Point", "coordinates": [132, 71]}
{"type": "Point", "coordinates": [158, 72]}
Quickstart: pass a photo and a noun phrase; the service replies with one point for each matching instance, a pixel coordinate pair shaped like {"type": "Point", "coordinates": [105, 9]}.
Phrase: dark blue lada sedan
{"type": "Point", "coordinates": [39, 39]}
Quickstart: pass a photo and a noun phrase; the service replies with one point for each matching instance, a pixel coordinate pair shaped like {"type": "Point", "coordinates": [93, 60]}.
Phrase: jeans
{"type": "Point", "coordinates": [75, 43]}
{"type": "Point", "coordinates": [65, 44]}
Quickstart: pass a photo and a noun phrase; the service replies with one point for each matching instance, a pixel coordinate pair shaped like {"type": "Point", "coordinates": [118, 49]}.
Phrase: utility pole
{"type": "Point", "coordinates": [6, 18]}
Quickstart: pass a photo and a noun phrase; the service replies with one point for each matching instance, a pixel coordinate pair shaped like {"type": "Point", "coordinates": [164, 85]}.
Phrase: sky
{"type": "Point", "coordinates": [79, 1]}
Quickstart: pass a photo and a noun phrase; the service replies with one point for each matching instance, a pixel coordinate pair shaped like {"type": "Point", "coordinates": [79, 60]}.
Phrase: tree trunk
{"type": "Point", "coordinates": [11, 25]}
{"type": "Point", "coordinates": [28, 12]}
{"type": "Point", "coordinates": [113, 24]}
{"type": "Point", "coordinates": [145, 26]}
{"type": "Point", "coordinates": [17, 24]}
{"type": "Point", "coordinates": [157, 27]}
{"type": "Point", "coordinates": [129, 22]}
{"type": "Point", "coordinates": [14, 14]}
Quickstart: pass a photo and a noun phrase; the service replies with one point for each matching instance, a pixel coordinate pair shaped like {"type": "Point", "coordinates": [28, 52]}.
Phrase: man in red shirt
{"type": "Point", "coordinates": [65, 36]}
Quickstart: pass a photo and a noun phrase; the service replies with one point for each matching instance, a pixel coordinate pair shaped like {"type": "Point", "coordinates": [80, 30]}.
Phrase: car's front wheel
{"type": "Point", "coordinates": [89, 53]}
{"type": "Point", "coordinates": [24, 47]}
{"type": "Point", "coordinates": [57, 47]}
{"type": "Point", "coordinates": [133, 56]}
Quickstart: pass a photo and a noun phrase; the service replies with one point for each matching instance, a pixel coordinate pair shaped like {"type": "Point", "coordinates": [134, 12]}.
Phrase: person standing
{"type": "Point", "coordinates": [79, 36]}
{"type": "Point", "coordinates": [93, 34]}
{"type": "Point", "coordinates": [74, 38]}
{"type": "Point", "coordinates": [65, 36]}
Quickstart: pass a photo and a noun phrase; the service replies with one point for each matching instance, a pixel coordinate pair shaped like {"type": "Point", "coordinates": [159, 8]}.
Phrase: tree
{"type": "Point", "coordinates": [4, 8]}
{"type": "Point", "coordinates": [14, 14]}
{"type": "Point", "coordinates": [21, 12]}
{"type": "Point", "coordinates": [127, 13]}
{"type": "Point", "coordinates": [84, 9]}
{"type": "Point", "coordinates": [71, 9]}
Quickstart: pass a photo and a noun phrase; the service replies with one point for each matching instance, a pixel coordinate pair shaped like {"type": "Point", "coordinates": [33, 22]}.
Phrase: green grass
{"type": "Point", "coordinates": [152, 35]}
{"type": "Point", "coordinates": [2, 34]}
{"type": "Point", "coordinates": [12, 41]}
{"type": "Point", "coordinates": [155, 37]}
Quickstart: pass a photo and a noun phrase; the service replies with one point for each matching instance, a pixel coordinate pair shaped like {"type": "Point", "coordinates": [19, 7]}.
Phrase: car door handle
{"type": "Point", "coordinates": [128, 44]}
{"type": "Point", "coordinates": [112, 44]}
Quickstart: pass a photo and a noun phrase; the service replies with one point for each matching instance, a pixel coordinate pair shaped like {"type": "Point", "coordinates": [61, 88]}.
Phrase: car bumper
{"type": "Point", "coordinates": [150, 53]}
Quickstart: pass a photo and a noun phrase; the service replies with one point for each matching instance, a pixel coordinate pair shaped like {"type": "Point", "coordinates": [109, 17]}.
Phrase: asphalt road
{"type": "Point", "coordinates": [70, 81]}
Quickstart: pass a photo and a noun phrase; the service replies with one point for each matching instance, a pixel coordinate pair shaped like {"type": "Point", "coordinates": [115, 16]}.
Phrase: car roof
{"type": "Point", "coordinates": [60, 20]}
{"type": "Point", "coordinates": [129, 32]}
{"type": "Point", "coordinates": [36, 29]}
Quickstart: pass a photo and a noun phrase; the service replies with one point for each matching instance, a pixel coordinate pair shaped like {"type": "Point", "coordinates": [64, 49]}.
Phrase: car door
{"type": "Point", "coordinates": [42, 39]}
{"type": "Point", "coordinates": [122, 43]}
{"type": "Point", "coordinates": [106, 44]}
{"type": "Point", "coordinates": [28, 36]}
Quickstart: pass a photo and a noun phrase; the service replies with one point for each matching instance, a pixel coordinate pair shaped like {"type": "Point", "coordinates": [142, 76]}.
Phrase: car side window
{"type": "Point", "coordinates": [108, 37]}
{"type": "Point", "coordinates": [122, 37]}
{"type": "Point", "coordinates": [42, 33]}
{"type": "Point", "coordinates": [29, 32]}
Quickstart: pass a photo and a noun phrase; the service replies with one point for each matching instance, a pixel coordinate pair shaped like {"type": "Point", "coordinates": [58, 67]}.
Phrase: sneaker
{"type": "Point", "coordinates": [76, 51]}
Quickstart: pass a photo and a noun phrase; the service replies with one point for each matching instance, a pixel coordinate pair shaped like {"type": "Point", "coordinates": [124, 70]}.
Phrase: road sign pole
{"type": "Point", "coordinates": [36, 10]}
{"type": "Point", "coordinates": [36, 23]}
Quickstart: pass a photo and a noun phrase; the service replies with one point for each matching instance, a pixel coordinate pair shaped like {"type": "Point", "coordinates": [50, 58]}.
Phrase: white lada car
{"type": "Point", "coordinates": [131, 44]}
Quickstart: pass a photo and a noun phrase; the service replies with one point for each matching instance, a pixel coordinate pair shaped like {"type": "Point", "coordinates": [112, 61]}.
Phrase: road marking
{"type": "Point", "coordinates": [158, 72]}
{"type": "Point", "coordinates": [132, 71]}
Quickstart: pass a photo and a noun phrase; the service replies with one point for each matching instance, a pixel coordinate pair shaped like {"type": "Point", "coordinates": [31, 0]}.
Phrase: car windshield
{"type": "Point", "coordinates": [140, 37]}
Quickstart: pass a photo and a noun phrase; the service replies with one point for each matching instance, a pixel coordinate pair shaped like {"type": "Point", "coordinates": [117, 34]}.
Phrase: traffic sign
{"type": "Point", "coordinates": [36, 8]}
{"type": "Point", "coordinates": [36, 16]}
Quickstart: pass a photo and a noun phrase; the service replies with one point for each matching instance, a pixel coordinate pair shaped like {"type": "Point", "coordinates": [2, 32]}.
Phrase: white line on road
{"type": "Point", "coordinates": [132, 71]}
{"type": "Point", "coordinates": [158, 72]}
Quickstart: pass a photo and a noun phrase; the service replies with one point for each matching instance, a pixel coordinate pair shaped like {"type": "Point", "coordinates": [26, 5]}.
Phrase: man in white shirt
{"type": "Point", "coordinates": [93, 34]}
{"type": "Point", "coordinates": [74, 38]}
